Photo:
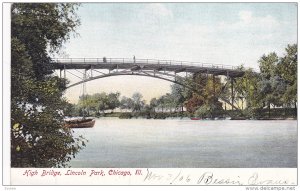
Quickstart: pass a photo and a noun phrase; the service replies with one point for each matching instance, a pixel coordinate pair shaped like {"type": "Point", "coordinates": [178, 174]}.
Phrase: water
{"type": "Point", "coordinates": [132, 143]}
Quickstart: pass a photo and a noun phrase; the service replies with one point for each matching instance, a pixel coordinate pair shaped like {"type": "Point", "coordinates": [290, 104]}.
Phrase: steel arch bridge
{"type": "Point", "coordinates": [169, 70]}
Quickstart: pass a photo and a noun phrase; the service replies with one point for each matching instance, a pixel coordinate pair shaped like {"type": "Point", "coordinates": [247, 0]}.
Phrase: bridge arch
{"type": "Point", "coordinates": [152, 74]}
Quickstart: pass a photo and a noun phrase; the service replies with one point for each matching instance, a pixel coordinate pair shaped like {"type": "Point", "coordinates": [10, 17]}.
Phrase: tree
{"type": "Point", "coordinates": [70, 109]}
{"type": "Point", "coordinates": [88, 103]}
{"type": "Point", "coordinates": [126, 103]}
{"type": "Point", "coordinates": [102, 102]}
{"type": "Point", "coordinates": [169, 101]}
{"type": "Point", "coordinates": [194, 103]}
{"type": "Point", "coordinates": [113, 100]}
{"type": "Point", "coordinates": [161, 102]}
{"type": "Point", "coordinates": [287, 69]}
{"type": "Point", "coordinates": [153, 104]}
{"type": "Point", "coordinates": [271, 84]}
{"type": "Point", "coordinates": [267, 65]}
{"type": "Point", "coordinates": [208, 90]}
{"type": "Point", "coordinates": [138, 102]}
{"type": "Point", "coordinates": [179, 94]}
{"type": "Point", "coordinates": [247, 88]}
{"type": "Point", "coordinates": [38, 136]}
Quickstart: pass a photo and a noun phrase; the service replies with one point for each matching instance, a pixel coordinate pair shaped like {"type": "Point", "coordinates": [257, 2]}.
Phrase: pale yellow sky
{"type": "Point", "coordinates": [126, 85]}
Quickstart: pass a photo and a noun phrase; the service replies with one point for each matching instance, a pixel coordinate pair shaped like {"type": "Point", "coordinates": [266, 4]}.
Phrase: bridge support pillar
{"type": "Point", "coordinates": [84, 85]}
{"type": "Point", "coordinates": [207, 75]}
{"type": "Point", "coordinates": [232, 95]}
{"type": "Point", "coordinates": [65, 76]}
{"type": "Point", "coordinates": [214, 85]}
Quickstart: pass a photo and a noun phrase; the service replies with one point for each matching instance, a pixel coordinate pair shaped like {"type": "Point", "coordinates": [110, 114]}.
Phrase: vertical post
{"type": "Point", "coordinates": [65, 75]}
{"type": "Point", "coordinates": [117, 67]}
{"type": "Point", "coordinates": [92, 70]}
{"type": "Point", "coordinates": [83, 92]}
{"type": "Point", "coordinates": [207, 75]}
{"type": "Point", "coordinates": [64, 71]}
{"type": "Point", "coordinates": [242, 103]}
{"type": "Point", "coordinates": [84, 78]}
{"type": "Point", "coordinates": [214, 86]}
{"type": "Point", "coordinates": [60, 73]}
{"type": "Point", "coordinates": [232, 97]}
{"type": "Point", "coordinates": [214, 96]}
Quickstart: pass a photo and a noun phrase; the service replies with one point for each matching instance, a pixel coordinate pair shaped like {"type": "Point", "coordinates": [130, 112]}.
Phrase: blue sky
{"type": "Point", "coordinates": [221, 33]}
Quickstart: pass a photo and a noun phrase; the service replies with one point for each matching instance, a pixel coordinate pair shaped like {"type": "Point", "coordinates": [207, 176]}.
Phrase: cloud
{"type": "Point", "coordinates": [158, 33]}
{"type": "Point", "coordinates": [245, 16]}
{"type": "Point", "coordinates": [247, 19]}
{"type": "Point", "coordinates": [159, 10]}
{"type": "Point", "coordinates": [154, 14]}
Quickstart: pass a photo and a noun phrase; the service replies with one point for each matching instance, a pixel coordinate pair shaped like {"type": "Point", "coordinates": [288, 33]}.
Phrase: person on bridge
{"type": "Point", "coordinates": [133, 59]}
{"type": "Point", "coordinates": [104, 59]}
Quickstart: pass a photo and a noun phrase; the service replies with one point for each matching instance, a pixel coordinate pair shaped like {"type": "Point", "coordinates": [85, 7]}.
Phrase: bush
{"type": "Point", "coordinates": [125, 116]}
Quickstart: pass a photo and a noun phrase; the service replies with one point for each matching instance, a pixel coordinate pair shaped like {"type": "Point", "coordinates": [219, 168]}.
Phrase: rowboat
{"type": "Point", "coordinates": [80, 123]}
{"type": "Point", "coordinates": [195, 118]}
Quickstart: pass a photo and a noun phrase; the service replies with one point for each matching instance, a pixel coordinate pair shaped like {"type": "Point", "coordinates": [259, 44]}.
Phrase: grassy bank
{"type": "Point", "coordinates": [259, 114]}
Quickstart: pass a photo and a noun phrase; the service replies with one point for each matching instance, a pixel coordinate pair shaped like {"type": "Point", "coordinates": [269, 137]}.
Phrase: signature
{"type": "Point", "coordinates": [209, 178]}
{"type": "Point", "coordinates": [255, 180]}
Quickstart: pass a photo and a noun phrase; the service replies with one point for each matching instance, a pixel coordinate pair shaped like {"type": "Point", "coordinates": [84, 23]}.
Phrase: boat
{"type": "Point", "coordinates": [83, 122]}
{"type": "Point", "coordinates": [80, 123]}
{"type": "Point", "coordinates": [195, 118]}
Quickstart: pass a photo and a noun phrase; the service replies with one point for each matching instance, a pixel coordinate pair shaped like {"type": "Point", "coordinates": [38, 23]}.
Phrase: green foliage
{"type": "Point", "coordinates": [126, 103]}
{"type": "Point", "coordinates": [138, 102]}
{"type": "Point", "coordinates": [247, 88]}
{"type": "Point", "coordinates": [135, 103]}
{"type": "Point", "coordinates": [125, 115]}
{"type": "Point", "coordinates": [287, 69]}
{"type": "Point", "coordinates": [209, 88]}
{"type": "Point", "coordinates": [209, 111]}
{"type": "Point", "coordinates": [38, 136]}
{"type": "Point", "coordinates": [40, 26]}
{"type": "Point", "coordinates": [267, 65]}
{"type": "Point", "coordinates": [98, 102]}
{"type": "Point", "coordinates": [274, 86]}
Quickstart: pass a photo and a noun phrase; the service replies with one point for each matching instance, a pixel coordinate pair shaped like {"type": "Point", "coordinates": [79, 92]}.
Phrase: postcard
{"type": "Point", "coordinates": [193, 94]}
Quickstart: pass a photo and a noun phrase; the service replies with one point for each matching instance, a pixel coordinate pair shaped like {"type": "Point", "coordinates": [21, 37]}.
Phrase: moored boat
{"type": "Point", "coordinates": [80, 123]}
{"type": "Point", "coordinates": [195, 118]}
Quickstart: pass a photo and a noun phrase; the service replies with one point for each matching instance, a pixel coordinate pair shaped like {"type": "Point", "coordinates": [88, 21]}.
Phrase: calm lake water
{"type": "Point", "coordinates": [175, 143]}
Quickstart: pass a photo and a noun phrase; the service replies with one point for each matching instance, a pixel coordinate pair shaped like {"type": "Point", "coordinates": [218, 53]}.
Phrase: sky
{"type": "Point", "coordinates": [219, 33]}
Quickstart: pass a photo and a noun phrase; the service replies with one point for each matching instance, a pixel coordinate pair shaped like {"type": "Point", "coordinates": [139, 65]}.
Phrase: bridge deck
{"type": "Point", "coordinates": [146, 64]}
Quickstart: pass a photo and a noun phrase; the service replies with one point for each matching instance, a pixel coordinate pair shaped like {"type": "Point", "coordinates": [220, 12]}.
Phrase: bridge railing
{"type": "Point", "coordinates": [140, 61]}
